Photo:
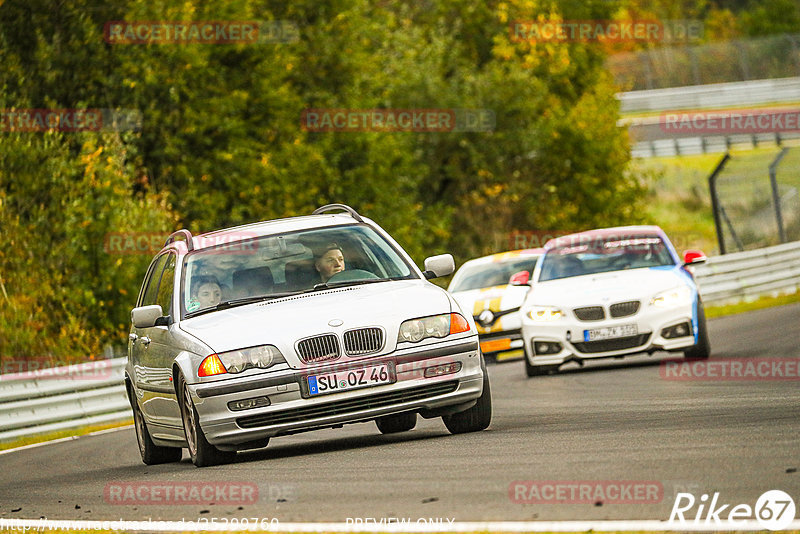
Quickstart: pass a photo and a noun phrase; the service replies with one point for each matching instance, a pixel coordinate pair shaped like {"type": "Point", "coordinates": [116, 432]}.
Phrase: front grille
{"type": "Point", "coordinates": [590, 313]}
{"type": "Point", "coordinates": [346, 406]}
{"type": "Point", "coordinates": [624, 309]}
{"type": "Point", "coordinates": [363, 341]}
{"type": "Point", "coordinates": [607, 345]}
{"type": "Point", "coordinates": [318, 349]}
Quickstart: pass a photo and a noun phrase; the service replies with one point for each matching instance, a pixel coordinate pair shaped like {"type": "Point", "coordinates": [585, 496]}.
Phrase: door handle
{"type": "Point", "coordinates": [145, 340]}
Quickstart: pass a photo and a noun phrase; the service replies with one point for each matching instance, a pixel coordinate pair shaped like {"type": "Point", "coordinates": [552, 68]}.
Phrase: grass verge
{"type": "Point", "coordinates": [761, 303]}
{"type": "Point", "coordinates": [71, 433]}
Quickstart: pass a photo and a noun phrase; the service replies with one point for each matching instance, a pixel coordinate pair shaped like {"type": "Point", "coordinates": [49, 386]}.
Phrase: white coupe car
{"type": "Point", "coordinates": [611, 293]}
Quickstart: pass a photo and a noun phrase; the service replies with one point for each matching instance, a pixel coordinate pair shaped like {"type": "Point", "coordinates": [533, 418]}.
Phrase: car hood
{"type": "Point", "coordinates": [607, 288]}
{"type": "Point", "coordinates": [495, 299]}
{"type": "Point", "coordinates": [282, 322]}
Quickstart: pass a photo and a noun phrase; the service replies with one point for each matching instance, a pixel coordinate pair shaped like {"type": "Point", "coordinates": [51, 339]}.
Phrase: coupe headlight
{"type": "Point", "coordinates": [545, 313]}
{"type": "Point", "coordinates": [415, 330]}
{"type": "Point", "coordinates": [261, 357]}
{"type": "Point", "coordinates": [673, 297]}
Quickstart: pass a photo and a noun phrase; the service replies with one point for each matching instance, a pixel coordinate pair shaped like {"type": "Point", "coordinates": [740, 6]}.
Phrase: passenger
{"type": "Point", "coordinates": [328, 261]}
{"type": "Point", "coordinates": [206, 292]}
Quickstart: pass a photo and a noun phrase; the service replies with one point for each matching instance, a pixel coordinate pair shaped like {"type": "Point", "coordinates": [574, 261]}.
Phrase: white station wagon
{"type": "Point", "coordinates": [611, 293]}
{"type": "Point", "coordinates": [291, 325]}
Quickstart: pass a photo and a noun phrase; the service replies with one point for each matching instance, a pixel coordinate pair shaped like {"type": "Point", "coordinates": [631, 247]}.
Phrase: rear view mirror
{"type": "Point", "coordinates": [693, 257]}
{"type": "Point", "coordinates": [521, 278]}
{"type": "Point", "coordinates": [441, 265]}
{"type": "Point", "coordinates": [147, 316]}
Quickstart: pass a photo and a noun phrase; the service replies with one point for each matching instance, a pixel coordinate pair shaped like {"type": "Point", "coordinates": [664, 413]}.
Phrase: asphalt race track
{"type": "Point", "coordinates": [613, 424]}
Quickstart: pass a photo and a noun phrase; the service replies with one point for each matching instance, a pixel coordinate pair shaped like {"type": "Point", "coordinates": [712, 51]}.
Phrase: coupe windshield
{"type": "Point", "coordinates": [604, 256]}
{"type": "Point", "coordinates": [280, 265]}
{"type": "Point", "coordinates": [481, 275]}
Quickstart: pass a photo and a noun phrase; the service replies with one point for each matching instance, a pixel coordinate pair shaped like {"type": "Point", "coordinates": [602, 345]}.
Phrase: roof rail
{"type": "Point", "coordinates": [187, 236]}
{"type": "Point", "coordinates": [330, 207]}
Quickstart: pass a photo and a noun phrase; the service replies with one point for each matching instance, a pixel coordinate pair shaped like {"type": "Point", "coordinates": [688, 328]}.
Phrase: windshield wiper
{"type": "Point", "coordinates": [241, 302]}
{"type": "Point", "coordinates": [328, 285]}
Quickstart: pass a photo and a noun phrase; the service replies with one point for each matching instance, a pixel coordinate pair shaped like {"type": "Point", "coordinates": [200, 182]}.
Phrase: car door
{"type": "Point", "coordinates": [159, 352]}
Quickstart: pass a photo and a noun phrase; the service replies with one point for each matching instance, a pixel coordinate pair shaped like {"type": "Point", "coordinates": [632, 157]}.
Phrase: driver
{"type": "Point", "coordinates": [328, 261]}
{"type": "Point", "coordinates": [206, 292]}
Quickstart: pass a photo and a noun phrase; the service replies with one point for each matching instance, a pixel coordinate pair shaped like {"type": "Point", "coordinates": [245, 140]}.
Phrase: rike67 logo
{"type": "Point", "coordinates": [774, 510]}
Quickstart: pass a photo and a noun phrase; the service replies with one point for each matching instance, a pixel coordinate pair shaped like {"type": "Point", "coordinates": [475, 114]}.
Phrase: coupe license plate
{"type": "Point", "coordinates": [339, 381]}
{"type": "Point", "coordinates": [611, 332]}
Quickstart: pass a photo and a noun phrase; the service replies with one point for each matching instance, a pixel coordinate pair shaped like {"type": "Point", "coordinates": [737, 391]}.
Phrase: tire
{"type": "Point", "coordinates": [702, 349]}
{"type": "Point", "coordinates": [536, 370]}
{"type": "Point", "coordinates": [476, 418]}
{"type": "Point", "coordinates": [202, 452]}
{"type": "Point", "coordinates": [401, 422]}
{"type": "Point", "coordinates": [152, 454]}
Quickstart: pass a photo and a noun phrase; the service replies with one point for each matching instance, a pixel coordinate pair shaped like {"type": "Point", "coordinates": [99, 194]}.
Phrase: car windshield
{"type": "Point", "coordinates": [605, 256]}
{"type": "Point", "coordinates": [284, 264]}
{"type": "Point", "coordinates": [482, 275]}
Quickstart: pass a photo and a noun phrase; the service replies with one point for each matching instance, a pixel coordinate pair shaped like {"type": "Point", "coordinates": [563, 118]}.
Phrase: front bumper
{"type": "Point", "coordinates": [291, 410]}
{"type": "Point", "coordinates": [651, 323]}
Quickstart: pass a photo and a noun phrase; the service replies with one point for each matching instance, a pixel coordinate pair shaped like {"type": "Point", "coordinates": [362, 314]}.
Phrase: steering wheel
{"type": "Point", "coordinates": [351, 275]}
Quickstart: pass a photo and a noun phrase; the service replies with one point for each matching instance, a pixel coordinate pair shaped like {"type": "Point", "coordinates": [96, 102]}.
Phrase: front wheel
{"type": "Point", "coordinates": [152, 454]}
{"type": "Point", "coordinates": [476, 418]}
{"type": "Point", "coordinates": [202, 452]}
{"type": "Point", "coordinates": [702, 349]}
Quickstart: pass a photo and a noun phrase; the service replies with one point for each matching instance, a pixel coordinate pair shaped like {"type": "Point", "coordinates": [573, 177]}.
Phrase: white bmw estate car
{"type": "Point", "coordinates": [291, 325]}
{"type": "Point", "coordinates": [611, 293]}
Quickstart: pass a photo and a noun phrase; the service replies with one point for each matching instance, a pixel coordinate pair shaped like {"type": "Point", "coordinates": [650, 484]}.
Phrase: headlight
{"type": "Point", "coordinates": [673, 297]}
{"type": "Point", "coordinates": [415, 330]}
{"type": "Point", "coordinates": [545, 313]}
{"type": "Point", "coordinates": [261, 357]}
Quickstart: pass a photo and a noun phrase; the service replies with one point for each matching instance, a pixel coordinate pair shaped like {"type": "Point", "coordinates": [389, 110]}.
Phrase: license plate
{"type": "Point", "coordinates": [339, 381]}
{"type": "Point", "coordinates": [611, 332]}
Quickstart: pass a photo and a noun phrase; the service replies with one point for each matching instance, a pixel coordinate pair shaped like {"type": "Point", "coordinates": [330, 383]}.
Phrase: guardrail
{"type": "Point", "coordinates": [715, 95]}
{"type": "Point", "coordinates": [750, 274]}
{"type": "Point", "coordinates": [63, 398]}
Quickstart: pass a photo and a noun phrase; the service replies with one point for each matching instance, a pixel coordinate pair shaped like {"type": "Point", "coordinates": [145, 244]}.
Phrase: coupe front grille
{"type": "Point", "coordinates": [608, 345]}
{"type": "Point", "coordinates": [590, 313]}
{"type": "Point", "coordinates": [363, 341]}
{"type": "Point", "coordinates": [346, 406]}
{"type": "Point", "coordinates": [624, 309]}
{"type": "Point", "coordinates": [319, 348]}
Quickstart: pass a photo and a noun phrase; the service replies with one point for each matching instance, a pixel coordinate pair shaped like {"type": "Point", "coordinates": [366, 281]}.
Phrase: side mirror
{"type": "Point", "coordinates": [693, 257]}
{"type": "Point", "coordinates": [520, 279]}
{"type": "Point", "coordinates": [441, 265]}
{"type": "Point", "coordinates": [147, 316]}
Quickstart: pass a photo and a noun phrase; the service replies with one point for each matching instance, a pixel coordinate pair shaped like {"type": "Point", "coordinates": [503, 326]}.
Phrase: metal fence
{"type": "Point", "coordinates": [755, 199]}
{"type": "Point", "coordinates": [728, 61]}
{"type": "Point", "coordinates": [63, 398]}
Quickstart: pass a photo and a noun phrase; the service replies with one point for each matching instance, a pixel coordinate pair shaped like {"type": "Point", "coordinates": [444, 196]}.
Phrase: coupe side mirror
{"type": "Point", "coordinates": [521, 278]}
{"type": "Point", "coordinates": [693, 257]}
{"type": "Point", "coordinates": [441, 265]}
